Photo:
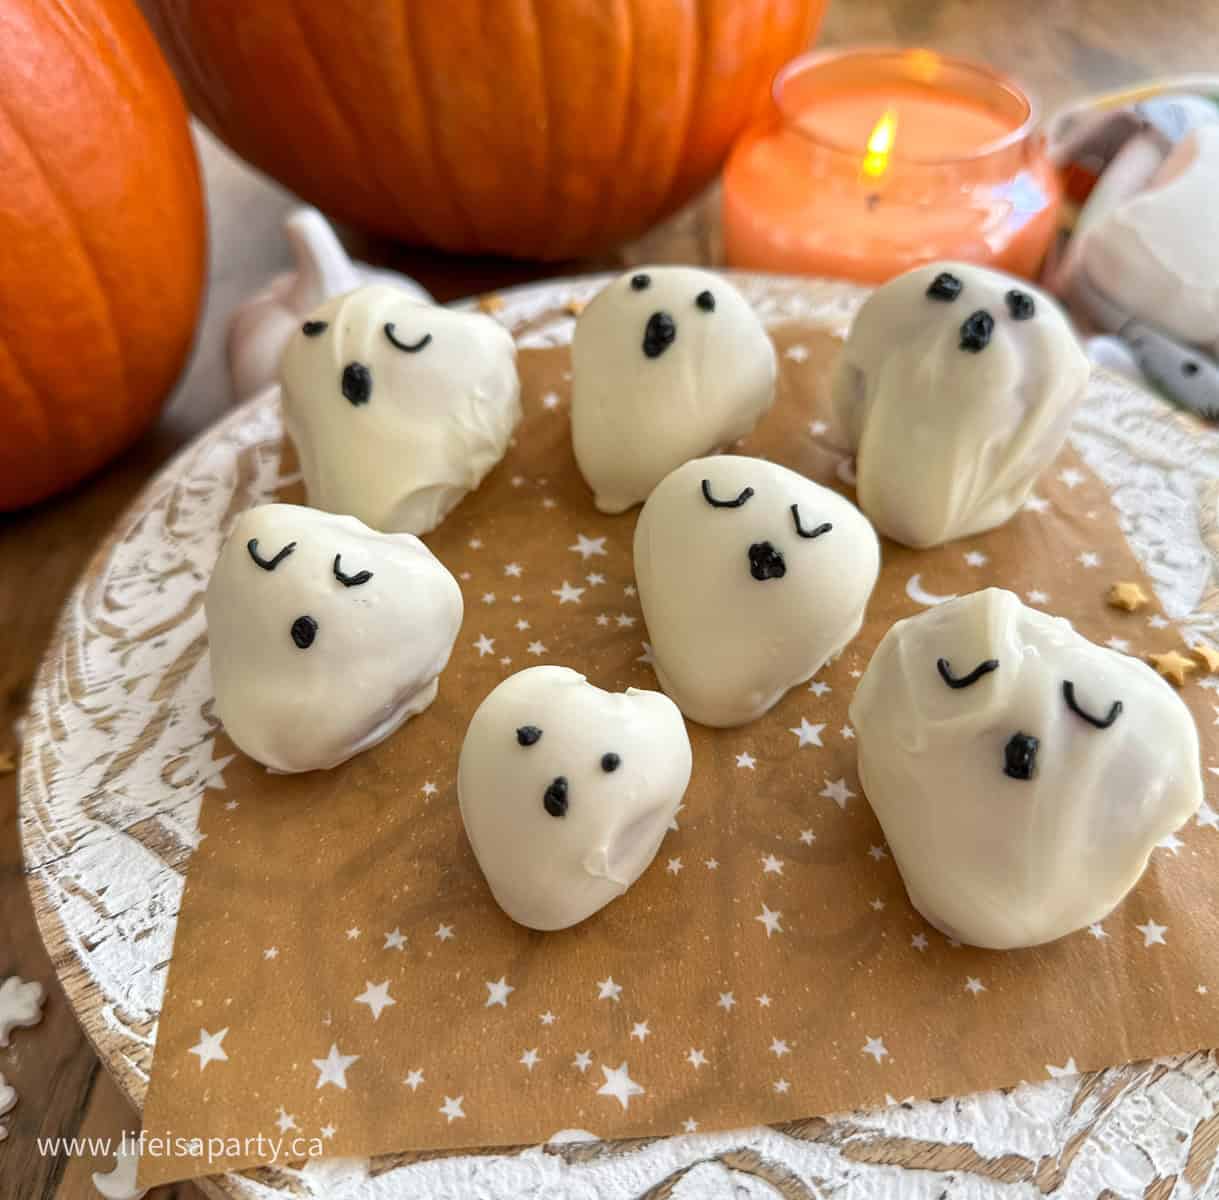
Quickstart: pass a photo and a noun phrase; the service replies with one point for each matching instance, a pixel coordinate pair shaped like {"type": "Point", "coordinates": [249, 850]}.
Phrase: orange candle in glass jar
{"type": "Point", "coordinates": [874, 161]}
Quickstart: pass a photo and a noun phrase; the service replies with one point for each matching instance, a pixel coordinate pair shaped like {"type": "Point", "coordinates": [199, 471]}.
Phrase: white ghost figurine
{"type": "Point", "coordinates": [324, 634]}
{"type": "Point", "coordinates": [397, 408]}
{"type": "Point", "coordinates": [566, 791]}
{"type": "Point", "coordinates": [750, 577]}
{"type": "Point", "coordinates": [1022, 774]}
{"type": "Point", "coordinates": [668, 363]}
{"type": "Point", "coordinates": [956, 389]}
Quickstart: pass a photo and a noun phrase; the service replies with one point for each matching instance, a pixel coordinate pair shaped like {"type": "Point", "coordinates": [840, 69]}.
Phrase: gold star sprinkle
{"type": "Point", "coordinates": [1209, 657]}
{"type": "Point", "coordinates": [1129, 596]}
{"type": "Point", "coordinates": [1175, 667]}
{"type": "Point", "coordinates": [575, 307]}
{"type": "Point", "coordinates": [490, 303]}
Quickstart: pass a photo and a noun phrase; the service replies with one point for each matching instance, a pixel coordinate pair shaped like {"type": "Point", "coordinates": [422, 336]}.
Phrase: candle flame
{"type": "Point", "coordinates": [880, 145]}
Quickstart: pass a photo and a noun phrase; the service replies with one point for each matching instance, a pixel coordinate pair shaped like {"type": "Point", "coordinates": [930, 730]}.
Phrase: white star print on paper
{"type": "Point", "coordinates": [1088, 559]}
{"type": "Point", "coordinates": [770, 920]}
{"type": "Point", "coordinates": [876, 904]}
{"type": "Point", "coordinates": [975, 558]}
{"type": "Point", "coordinates": [818, 688]}
{"type": "Point", "coordinates": [675, 865]}
{"type": "Point", "coordinates": [696, 1058]}
{"type": "Point", "coordinates": [1171, 843]}
{"type": "Point", "coordinates": [209, 1048]}
{"type": "Point", "coordinates": [451, 1109]}
{"type": "Point", "coordinates": [353, 933]}
{"type": "Point", "coordinates": [807, 836]}
{"type": "Point", "coordinates": [484, 645]}
{"type": "Point", "coordinates": [782, 1086]}
{"type": "Point", "coordinates": [919, 941]}
{"type": "Point", "coordinates": [488, 597]}
{"type": "Point", "coordinates": [1036, 597]}
{"type": "Point", "coordinates": [712, 864]}
{"type": "Point", "coordinates": [690, 1125]}
{"type": "Point", "coordinates": [608, 989]}
{"type": "Point", "coordinates": [513, 570]}
{"type": "Point", "coordinates": [550, 400]}
{"type": "Point", "coordinates": [537, 648]}
{"type": "Point", "coordinates": [746, 761]}
{"type": "Point", "coordinates": [646, 656]}
{"type": "Point", "coordinates": [619, 1084]}
{"type": "Point", "coordinates": [583, 1060]}
{"type": "Point", "coordinates": [568, 594]}
{"type": "Point", "coordinates": [1097, 930]}
{"type": "Point", "coordinates": [877, 852]}
{"type": "Point", "coordinates": [1119, 644]}
{"type": "Point", "coordinates": [271, 952]}
{"type": "Point", "coordinates": [847, 733]}
{"type": "Point", "coordinates": [232, 804]}
{"type": "Point", "coordinates": [394, 940]}
{"type": "Point", "coordinates": [505, 661]}
{"type": "Point", "coordinates": [522, 625]}
{"type": "Point", "coordinates": [764, 1000]}
{"type": "Point", "coordinates": [974, 985]}
{"type": "Point", "coordinates": [1035, 504]}
{"type": "Point", "coordinates": [587, 547]}
{"type": "Point", "coordinates": [779, 1048]}
{"type": "Point", "coordinates": [837, 791]}
{"type": "Point", "coordinates": [444, 932]}
{"type": "Point", "coordinates": [475, 543]}
{"type": "Point", "coordinates": [498, 992]}
{"type": "Point", "coordinates": [1153, 934]}
{"type": "Point", "coordinates": [377, 998]}
{"type": "Point", "coordinates": [640, 1030]}
{"type": "Point", "coordinates": [603, 619]}
{"type": "Point", "coordinates": [1067, 1068]}
{"type": "Point", "coordinates": [429, 788]}
{"type": "Point", "coordinates": [727, 1001]}
{"type": "Point", "coordinates": [796, 353]}
{"type": "Point", "coordinates": [772, 865]}
{"type": "Point", "coordinates": [333, 1068]}
{"type": "Point", "coordinates": [1206, 816]}
{"type": "Point", "coordinates": [285, 1120]}
{"type": "Point", "coordinates": [549, 502]}
{"type": "Point", "coordinates": [876, 1048]}
{"type": "Point", "coordinates": [806, 734]}
{"type": "Point", "coordinates": [530, 1059]}
{"type": "Point", "coordinates": [547, 1018]}
{"type": "Point", "coordinates": [625, 620]}
{"type": "Point", "coordinates": [328, 1131]}
{"type": "Point", "coordinates": [629, 590]}
{"type": "Point", "coordinates": [593, 579]}
{"type": "Point", "coordinates": [1071, 477]}
{"type": "Point", "coordinates": [413, 1080]}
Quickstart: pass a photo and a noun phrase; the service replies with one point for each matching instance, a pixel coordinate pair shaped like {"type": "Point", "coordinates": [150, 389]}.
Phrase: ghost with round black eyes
{"type": "Point", "coordinates": [668, 364]}
{"type": "Point", "coordinates": [324, 634]}
{"type": "Point", "coordinates": [1022, 775]}
{"type": "Point", "coordinates": [956, 389]}
{"type": "Point", "coordinates": [750, 578]}
{"type": "Point", "coordinates": [566, 791]}
{"type": "Point", "coordinates": [397, 408]}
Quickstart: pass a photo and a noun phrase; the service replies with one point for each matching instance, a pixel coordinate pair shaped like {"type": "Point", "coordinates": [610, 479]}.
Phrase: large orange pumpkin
{"type": "Point", "coordinates": [533, 128]}
{"type": "Point", "coordinates": [102, 239]}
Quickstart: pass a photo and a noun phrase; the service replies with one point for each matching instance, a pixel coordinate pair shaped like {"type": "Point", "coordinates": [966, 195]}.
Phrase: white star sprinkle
{"type": "Point", "coordinates": [975, 558]}
{"type": "Point", "coordinates": [818, 688]}
{"type": "Point", "coordinates": [974, 985]}
{"type": "Point", "coordinates": [209, 1048]}
{"type": "Point", "coordinates": [690, 1125]}
{"type": "Point", "coordinates": [285, 1120]}
{"type": "Point", "coordinates": [513, 570]}
{"type": "Point", "coordinates": [1153, 934]}
{"type": "Point", "coordinates": [413, 1080]}
{"type": "Point", "coordinates": [806, 734]}
{"type": "Point", "coordinates": [919, 941]}
{"type": "Point", "coordinates": [609, 990]}
{"type": "Point", "coordinates": [568, 594]}
{"type": "Point", "coordinates": [1088, 559]}
{"type": "Point", "coordinates": [484, 645]}
{"type": "Point", "coordinates": [377, 998]}
{"type": "Point", "coordinates": [696, 1058]}
{"type": "Point", "coordinates": [1071, 477]}
{"type": "Point", "coordinates": [547, 1018]}
{"type": "Point", "coordinates": [353, 933]}
{"type": "Point", "coordinates": [394, 940]}
{"type": "Point", "coordinates": [451, 1108]}
{"type": "Point", "coordinates": [620, 1085]}
{"type": "Point", "coordinates": [876, 1048]}
{"type": "Point", "coordinates": [498, 992]}
{"type": "Point", "coordinates": [640, 1030]}
{"type": "Point", "coordinates": [1067, 1068]}
{"type": "Point", "coordinates": [271, 952]}
{"type": "Point", "coordinates": [582, 1061]}
{"type": "Point", "coordinates": [837, 791]}
{"type": "Point", "coordinates": [779, 1048]}
{"type": "Point", "coordinates": [587, 547]}
{"type": "Point", "coordinates": [746, 760]}
{"type": "Point", "coordinates": [764, 1000]}
{"type": "Point", "coordinates": [770, 920]}
{"type": "Point", "coordinates": [781, 1086]}
{"type": "Point", "coordinates": [807, 836]}
{"type": "Point", "coordinates": [444, 932]}
{"type": "Point", "coordinates": [675, 865]}
{"type": "Point", "coordinates": [1035, 504]}
{"type": "Point", "coordinates": [333, 1068]}
{"type": "Point", "coordinates": [727, 1001]}
{"type": "Point", "coordinates": [772, 865]}
{"type": "Point", "coordinates": [530, 1059]}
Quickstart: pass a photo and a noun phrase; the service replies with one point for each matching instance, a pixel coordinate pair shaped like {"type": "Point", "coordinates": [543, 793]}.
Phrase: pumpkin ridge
{"type": "Point", "coordinates": [692, 94]}
{"type": "Point", "coordinates": [609, 208]}
{"type": "Point", "coordinates": [42, 418]}
{"type": "Point", "coordinates": [553, 231]}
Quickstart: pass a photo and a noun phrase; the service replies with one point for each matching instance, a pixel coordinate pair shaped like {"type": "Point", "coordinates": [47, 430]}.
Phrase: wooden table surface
{"type": "Point", "coordinates": [1058, 50]}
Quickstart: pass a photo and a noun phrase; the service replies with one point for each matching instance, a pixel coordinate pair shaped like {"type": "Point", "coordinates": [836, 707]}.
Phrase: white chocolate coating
{"type": "Point", "coordinates": [377, 649]}
{"type": "Point", "coordinates": [949, 441]}
{"type": "Point", "coordinates": [397, 436]}
{"type": "Point", "coordinates": [550, 871]}
{"type": "Point", "coordinates": [1004, 862]}
{"type": "Point", "coordinates": [635, 415]}
{"type": "Point", "coordinates": [727, 644]}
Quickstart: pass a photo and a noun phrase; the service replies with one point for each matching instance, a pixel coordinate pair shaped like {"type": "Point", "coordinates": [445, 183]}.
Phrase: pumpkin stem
{"type": "Point", "coordinates": [323, 268]}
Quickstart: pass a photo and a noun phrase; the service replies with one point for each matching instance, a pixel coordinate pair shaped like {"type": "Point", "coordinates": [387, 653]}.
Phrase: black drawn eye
{"type": "Point", "coordinates": [976, 331]}
{"type": "Point", "coordinates": [357, 383]}
{"type": "Point", "coordinates": [268, 564]}
{"type": "Point", "coordinates": [705, 301]}
{"type": "Point", "coordinates": [641, 281]}
{"type": "Point", "coordinates": [554, 799]}
{"type": "Point", "coordinates": [815, 532]}
{"type": "Point", "coordinates": [740, 499]}
{"type": "Point", "coordinates": [355, 580]}
{"type": "Point", "coordinates": [964, 681]}
{"type": "Point", "coordinates": [1020, 305]}
{"type": "Point", "coordinates": [945, 287]}
{"type": "Point", "coordinates": [1115, 710]}
{"type": "Point", "coordinates": [314, 328]}
{"type": "Point", "coordinates": [304, 630]}
{"type": "Point", "coordinates": [610, 762]}
{"type": "Point", "coordinates": [527, 735]}
{"type": "Point", "coordinates": [409, 347]}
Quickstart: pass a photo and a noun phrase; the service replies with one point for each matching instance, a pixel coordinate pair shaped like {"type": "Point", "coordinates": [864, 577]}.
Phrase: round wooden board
{"type": "Point", "coordinates": [110, 789]}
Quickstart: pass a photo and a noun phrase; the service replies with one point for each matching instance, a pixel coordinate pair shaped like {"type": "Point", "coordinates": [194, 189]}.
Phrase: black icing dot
{"type": "Point", "coordinates": [357, 383]}
{"type": "Point", "coordinates": [554, 799]}
{"type": "Point", "coordinates": [944, 287]}
{"type": "Point", "coordinates": [705, 301]}
{"type": "Point", "coordinates": [314, 328]}
{"type": "Point", "coordinates": [1020, 305]}
{"type": "Point", "coordinates": [528, 734]}
{"type": "Point", "coordinates": [304, 630]}
{"type": "Point", "coordinates": [976, 331]}
{"type": "Point", "coordinates": [659, 335]}
{"type": "Point", "coordinates": [641, 281]}
{"type": "Point", "coordinates": [765, 562]}
{"type": "Point", "coordinates": [610, 762]}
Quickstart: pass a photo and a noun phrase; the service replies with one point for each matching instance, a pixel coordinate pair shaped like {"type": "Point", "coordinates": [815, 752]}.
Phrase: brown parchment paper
{"type": "Point", "coordinates": [768, 965]}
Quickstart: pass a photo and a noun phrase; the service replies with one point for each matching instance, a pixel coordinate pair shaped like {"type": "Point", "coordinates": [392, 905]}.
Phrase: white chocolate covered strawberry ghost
{"type": "Point", "coordinates": [324, 634]}
{"type": "Point", "coordinates": [1022, 774]}
{"type": "Point", "coordinates": [668, 363]}
{"type": "Point", "coordinates": [750, 578]}
{"type": "Point", "coordinates": [956, 388]}
{"type": "Point", "coordinates": [397, 408]}
{"type": "Point", "coordinates": [566, 791]}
